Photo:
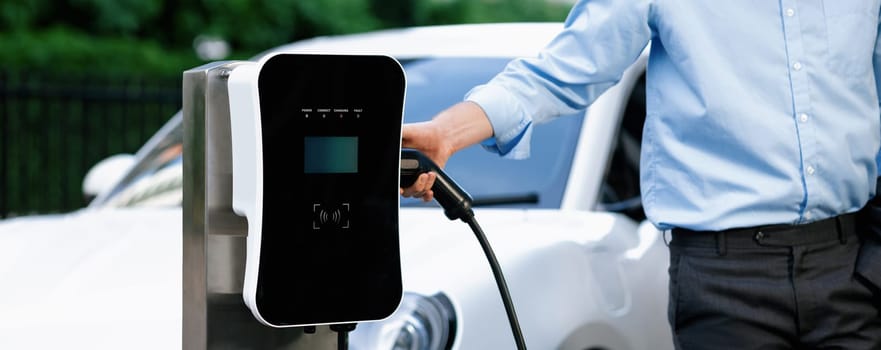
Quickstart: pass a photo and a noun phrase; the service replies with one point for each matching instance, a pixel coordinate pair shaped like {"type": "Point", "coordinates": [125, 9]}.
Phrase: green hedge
{"type": "Point", "coordinates": [63, 51]}
{"type": "Point", "coordinates": [155, 37]}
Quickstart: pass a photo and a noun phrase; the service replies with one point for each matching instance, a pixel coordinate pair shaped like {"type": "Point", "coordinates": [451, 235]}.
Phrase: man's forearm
{"type": "Point", "coordinates": [462, 125]}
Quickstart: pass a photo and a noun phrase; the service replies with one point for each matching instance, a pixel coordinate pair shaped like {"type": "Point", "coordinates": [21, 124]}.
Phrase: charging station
{"type": "Point", "coordinates": [316, 144]}
{"type": "Point", "coordinates": [292, 170]}
{"type": "Point", "coordinates": [290, 209]}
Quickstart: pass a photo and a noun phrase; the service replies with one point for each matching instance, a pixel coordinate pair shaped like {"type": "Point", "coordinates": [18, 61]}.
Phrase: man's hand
{"type": "Point", "coordinates": [421, 188]}
{"type": "Point", "coordinates": [425, 138]}
{"type": "Point", "coordinates": [453, 129]}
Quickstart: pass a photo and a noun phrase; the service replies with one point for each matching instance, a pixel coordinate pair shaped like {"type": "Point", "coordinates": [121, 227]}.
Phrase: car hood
{"type": "Point", "coordinates": [101, 278]}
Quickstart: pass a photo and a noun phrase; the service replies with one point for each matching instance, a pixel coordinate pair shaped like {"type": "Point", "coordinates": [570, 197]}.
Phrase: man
{"type": "Point", "coordinates": [759, 149]}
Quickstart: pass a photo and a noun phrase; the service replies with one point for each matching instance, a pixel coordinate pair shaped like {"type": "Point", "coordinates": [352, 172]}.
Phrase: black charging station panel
{"type": "Point", "coordinates": [331, 127]}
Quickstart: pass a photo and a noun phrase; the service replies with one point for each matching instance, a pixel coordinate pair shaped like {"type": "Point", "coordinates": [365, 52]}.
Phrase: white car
{"type": "Point", "coordinates": [584, 268]}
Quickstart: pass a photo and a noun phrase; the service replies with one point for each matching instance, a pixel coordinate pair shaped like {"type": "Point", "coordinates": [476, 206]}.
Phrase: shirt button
{"type": "Point", "coordinates": [803, 117]}
{"type": "Point", "coordinates": [790, 12]}
{"type": "Point", "coordinates": [810, 170]}
{"type": "Point", "coordinates": [796, 66]}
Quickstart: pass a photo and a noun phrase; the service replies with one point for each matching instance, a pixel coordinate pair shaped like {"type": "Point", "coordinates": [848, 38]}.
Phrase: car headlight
{"type": "Point", "coordinates": [420, 323]}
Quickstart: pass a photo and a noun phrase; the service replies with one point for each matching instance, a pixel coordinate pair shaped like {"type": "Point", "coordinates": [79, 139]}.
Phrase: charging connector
{"type": "Point", "coordinates": [457, 205]}
{"type": "Point", "coordinates": [455, 201]}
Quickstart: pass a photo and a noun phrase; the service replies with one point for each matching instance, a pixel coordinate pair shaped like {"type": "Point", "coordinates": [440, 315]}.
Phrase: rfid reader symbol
{"type": "Point", "coordinates": [324, 216]}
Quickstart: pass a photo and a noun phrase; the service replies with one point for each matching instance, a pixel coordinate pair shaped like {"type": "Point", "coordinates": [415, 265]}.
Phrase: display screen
{"type": "Point", "coordinates": [330, 155]}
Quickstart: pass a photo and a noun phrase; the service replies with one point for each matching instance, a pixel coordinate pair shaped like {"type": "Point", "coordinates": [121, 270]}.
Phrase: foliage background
{"type": "Point", "coordinates": [156, 36]}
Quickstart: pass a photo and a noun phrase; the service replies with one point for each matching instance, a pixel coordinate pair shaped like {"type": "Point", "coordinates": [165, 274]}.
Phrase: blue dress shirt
{"type": "Point", "coordinates": [759, 112]}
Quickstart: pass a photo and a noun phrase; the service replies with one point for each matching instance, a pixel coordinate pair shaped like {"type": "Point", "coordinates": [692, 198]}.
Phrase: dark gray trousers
{"type": "Point", "coordinates": [778, 287]}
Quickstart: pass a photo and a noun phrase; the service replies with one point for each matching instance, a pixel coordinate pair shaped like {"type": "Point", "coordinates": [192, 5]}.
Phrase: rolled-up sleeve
{"type": "Point", "coordinates": [599, 41]}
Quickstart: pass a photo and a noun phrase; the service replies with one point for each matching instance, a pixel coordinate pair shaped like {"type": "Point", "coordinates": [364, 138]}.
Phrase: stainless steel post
{"type": "Point", "coordinates": [214, 315]}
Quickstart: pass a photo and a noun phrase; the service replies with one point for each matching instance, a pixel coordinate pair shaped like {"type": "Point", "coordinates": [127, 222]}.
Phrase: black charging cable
{"type": "Point", "coordinates": [457, 206]}
{"type": "Point", "coordinates": [500, 279]}
{"type": "Point", "coordinates": [343, 330]}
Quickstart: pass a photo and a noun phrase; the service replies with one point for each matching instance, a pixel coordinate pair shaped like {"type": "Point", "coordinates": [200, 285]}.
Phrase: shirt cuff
{"type": "Point", "coordinates": [512, 127]}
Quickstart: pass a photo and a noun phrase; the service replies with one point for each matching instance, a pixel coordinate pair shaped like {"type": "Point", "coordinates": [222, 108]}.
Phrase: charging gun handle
{"type": "Point", "coordinates": [455, 201]}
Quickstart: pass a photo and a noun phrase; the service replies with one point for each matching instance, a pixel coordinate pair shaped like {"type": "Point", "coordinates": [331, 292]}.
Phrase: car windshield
{"type": "Point", "coordinates": [432, 85]}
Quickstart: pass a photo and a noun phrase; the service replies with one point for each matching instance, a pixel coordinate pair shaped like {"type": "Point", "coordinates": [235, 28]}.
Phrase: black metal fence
{"type": "Point", "coordinates": [54, 128]}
